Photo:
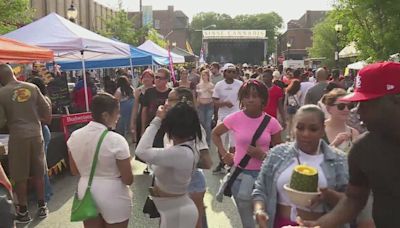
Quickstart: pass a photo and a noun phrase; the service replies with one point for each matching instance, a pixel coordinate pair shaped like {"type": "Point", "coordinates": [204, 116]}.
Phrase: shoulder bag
{"type": "Point", "coordinates": [86, 207]}
{"type": "Point", "coordinates": [149, 206]}
{"type": "Point", "coordinates": [230, 177]}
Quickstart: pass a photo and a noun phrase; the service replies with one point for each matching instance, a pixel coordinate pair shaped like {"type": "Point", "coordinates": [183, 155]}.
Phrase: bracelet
{"type": "Point", "coordinates": [261, 212]}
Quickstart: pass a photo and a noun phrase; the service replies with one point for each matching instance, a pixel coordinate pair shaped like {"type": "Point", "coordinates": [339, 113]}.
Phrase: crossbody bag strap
{"type": "Point", "coordinates": [245, 160]}
{"type": "Point", "coordinates": [95, 158]}
{"type": "Point", "coordinates": [194, 158]}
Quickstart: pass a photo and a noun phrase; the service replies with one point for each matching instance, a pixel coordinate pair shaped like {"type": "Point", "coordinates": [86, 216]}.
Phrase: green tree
{"type": "Point", "coordinates": [14, 14]}
{"type": "Point", "coordinates": [373, 25]}
{"type": "Point", "coordinates": [271, 22]}
{"type": "Point", "coordinates": [120, 27]}
{"type": "Point", "coordinates": [325, 40]}
{"type": "Point", "coordinates": [154, 36]}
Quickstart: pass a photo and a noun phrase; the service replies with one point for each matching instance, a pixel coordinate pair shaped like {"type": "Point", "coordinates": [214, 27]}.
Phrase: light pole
{"type": "Point", "coordinates": [72, 13]}
{"type": "Point", "coordinates": [338, 29]}
{"type": "Point", "coordinates": [288, 45]}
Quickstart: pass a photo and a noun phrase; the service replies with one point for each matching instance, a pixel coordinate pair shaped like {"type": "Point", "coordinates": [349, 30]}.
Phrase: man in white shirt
{"type": "Point", "coordinates": [305, 85]}
{"type": "Point", "coordinates": [225, 98]}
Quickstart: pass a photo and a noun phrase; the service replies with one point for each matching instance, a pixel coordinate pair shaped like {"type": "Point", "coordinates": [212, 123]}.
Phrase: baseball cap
{"type": "Point", "coordinates": [245, 65]}
{"type": "Point", "coordinates": [228, 66]}
{"type": "Point", "coordinates": [374, 81]}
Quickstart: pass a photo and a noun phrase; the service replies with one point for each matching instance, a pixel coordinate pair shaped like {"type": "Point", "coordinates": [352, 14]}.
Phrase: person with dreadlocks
{"type": "Point", "coordinates": [253, 96]}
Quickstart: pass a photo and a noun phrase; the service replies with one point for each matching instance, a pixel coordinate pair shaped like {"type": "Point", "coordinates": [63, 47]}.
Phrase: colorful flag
{"type": "Point", "coordinates": [189, 48]}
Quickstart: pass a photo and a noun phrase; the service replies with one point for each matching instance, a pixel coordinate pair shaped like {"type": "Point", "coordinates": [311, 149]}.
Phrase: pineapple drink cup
{"type": "Point", "coordinates": [304, 179]}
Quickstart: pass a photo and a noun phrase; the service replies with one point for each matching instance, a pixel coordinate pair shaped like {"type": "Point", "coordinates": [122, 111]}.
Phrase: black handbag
{"type": "Point", "coordinates": [149, 206]}
{"type": "Point", "coordinates": [245, 160]}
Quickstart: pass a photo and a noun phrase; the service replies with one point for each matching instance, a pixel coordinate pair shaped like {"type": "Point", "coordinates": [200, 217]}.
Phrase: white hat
{"type": "Point", "coordinates": [228, 66]}
{"type": "Point", "coordinates": [276, 75]}
{"type": "Point", "coordinates": [245, 65]}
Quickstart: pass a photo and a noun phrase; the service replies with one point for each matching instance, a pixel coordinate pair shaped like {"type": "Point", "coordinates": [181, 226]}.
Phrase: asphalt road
{"type": "Point", "coordinates": [219, 215]}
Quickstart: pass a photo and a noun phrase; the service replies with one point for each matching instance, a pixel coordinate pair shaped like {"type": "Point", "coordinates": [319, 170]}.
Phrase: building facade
{"type": "Point", "coordinates": [91, 14]}
{"type": "Point", "coordinates": [172, 25]}
{"type": "Point", "coordinates": [293, 44]}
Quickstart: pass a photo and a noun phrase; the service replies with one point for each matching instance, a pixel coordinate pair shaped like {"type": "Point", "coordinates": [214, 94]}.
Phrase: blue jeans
{"type": "Point", "coordinates": [241, 191]}
{"type": "Point", "coordinates": [48, 190]}
{"type": "Point", "coordinates": [206, 112]}
{"type": "Point", "coordinates": [124, 121]}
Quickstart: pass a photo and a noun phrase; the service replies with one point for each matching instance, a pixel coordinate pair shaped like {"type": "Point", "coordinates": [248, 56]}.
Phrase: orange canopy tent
{"type": "Point", "coordinates": [12, 51]}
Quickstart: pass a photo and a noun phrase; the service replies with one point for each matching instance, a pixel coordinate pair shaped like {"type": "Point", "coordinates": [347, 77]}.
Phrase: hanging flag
{"type": "Point", "coordinates": [171, 65]}
{"type": "Point", "coordinates": [189, 48]}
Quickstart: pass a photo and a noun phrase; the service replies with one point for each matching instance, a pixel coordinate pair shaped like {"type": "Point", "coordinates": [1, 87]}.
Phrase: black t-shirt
{"type": "Point", "coordinates": [374, 162]}
{"type": "Point", "coordinates": [152, 99]}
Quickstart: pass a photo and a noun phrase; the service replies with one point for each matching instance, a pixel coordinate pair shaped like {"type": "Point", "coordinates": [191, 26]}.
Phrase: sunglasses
{"type": "Point", "coordinates": [160, 78]}
{"type": "Point", "coordinates": [342, 106]}
{"type": "Point", "coordinates": [230, 71]}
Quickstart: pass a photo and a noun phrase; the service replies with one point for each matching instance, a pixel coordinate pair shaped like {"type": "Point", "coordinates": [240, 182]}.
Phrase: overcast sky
{"type": "Point", "coordinates": [287, 9]}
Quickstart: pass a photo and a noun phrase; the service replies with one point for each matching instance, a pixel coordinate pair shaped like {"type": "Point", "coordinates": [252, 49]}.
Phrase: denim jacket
{"type": "Point", "coordinates": [281, 157]}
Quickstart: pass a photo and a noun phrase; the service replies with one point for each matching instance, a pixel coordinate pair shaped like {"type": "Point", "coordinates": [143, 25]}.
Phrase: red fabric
{"type": "Point", "coordinates": [79, 98]}
{"type": "Point", "coordinates": [279, 222]}
{"type": "Point", "coordinates": [274, 94]}
{"type": "Point", "coordinates": [374, 81]}
{"type": "Point", "coordinates": [12, 51]}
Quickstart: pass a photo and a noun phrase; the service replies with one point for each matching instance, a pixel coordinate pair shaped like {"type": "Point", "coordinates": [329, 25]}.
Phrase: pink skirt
{"type": "Point", "coordinates": [279, 222]}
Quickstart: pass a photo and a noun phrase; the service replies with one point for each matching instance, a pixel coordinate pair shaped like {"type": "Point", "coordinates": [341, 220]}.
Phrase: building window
{"type": "Point", "coordinates": [157, 24]}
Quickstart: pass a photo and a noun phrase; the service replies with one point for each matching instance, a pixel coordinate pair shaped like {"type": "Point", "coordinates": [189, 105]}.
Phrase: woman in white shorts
{"type": "Point", "coordinates": [113, 174]}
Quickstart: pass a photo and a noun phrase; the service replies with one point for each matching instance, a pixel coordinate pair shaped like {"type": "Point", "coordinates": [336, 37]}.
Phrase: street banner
{"type": "Point", "coordinates": [171, 66]}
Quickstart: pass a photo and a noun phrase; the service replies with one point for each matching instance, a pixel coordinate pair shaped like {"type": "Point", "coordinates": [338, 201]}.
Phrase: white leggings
{"type": "Point", "coordinates": [176, 212]}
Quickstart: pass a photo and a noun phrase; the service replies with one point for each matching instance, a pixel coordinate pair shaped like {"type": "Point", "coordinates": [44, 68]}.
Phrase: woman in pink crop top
{"type": "Point", "coordinates": [253, 95]}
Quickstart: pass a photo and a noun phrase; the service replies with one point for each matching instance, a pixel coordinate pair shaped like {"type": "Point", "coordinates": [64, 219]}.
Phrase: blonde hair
{"type": "Point", "coordinates": [206, 71]}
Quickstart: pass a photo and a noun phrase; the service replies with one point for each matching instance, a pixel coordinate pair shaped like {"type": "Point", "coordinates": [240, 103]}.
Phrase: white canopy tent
{"type": "Point", "coordinates": [357, 65]}
{"type": "Point", "coordinates": [349, 51]}
{"type": "Point", "coordinates": [70, 41]}
{"type": "Point", "coordinates": [153, 48]}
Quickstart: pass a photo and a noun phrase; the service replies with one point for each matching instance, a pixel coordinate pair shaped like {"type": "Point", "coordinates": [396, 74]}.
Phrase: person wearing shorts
{"type": "Point", "coordinates": [25, 109]}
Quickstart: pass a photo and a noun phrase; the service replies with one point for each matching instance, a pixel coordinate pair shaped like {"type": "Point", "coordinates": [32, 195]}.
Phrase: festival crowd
{"type": "Point", "coordinates": [262, 121]}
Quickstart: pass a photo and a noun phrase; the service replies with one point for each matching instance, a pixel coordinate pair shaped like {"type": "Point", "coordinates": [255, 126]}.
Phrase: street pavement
{"type": "Point", "coordinates": [219, 215]}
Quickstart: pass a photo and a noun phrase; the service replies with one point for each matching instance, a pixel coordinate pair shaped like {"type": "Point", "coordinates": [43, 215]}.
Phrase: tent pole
{"type": "Point", "coordinates": [85, 82]}
{"type": "Point", "coordinates": [133, 75]}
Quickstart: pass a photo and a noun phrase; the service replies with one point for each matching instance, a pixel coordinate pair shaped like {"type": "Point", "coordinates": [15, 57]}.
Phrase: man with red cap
{"type": "Point", "coordinates": [374, 160]}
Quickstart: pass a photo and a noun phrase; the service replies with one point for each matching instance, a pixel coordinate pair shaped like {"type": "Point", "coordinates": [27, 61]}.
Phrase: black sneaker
{"type": "Point", "coordinates": [219, 169]}
{"type": "Point", "coordinates": [23, 217]}
{"type": "Point", "coordinates": [43, 211]}
{"type": "Point", "coordinates": [146, 171]}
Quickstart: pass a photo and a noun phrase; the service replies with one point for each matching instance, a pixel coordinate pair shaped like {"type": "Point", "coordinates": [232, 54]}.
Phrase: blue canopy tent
{"type": "Point", "coordinates": [138, 58]}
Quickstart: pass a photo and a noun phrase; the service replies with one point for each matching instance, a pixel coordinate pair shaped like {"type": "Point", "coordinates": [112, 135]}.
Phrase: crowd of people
{"type": "Point", "coordinates": [345, 128]}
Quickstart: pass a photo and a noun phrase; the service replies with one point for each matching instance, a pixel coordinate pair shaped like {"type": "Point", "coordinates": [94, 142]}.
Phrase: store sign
{"type": "Point", "coordinates": [234, 34]}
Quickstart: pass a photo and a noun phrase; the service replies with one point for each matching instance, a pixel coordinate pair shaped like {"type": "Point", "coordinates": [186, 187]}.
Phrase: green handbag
{"type": "Point", "coordinates": [86, 208]}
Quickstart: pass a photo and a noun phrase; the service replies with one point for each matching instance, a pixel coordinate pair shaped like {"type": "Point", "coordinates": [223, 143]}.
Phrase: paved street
{"type": "Point", "coordinates": [219, 215]}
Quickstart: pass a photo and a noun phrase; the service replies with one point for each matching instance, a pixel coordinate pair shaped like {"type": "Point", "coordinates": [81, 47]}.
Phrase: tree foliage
{"type": "Point", "coordinates": [373, 25]}
{"type": "Point", "coordinates": [14, 14]}
{"type": "Point", "coordinates": [122, 28]}
{"type": "Point", "coordinates": [154, 36]}
{"type": "Point", "coordinates": [325, 39]}
{"type": "Point", "coordinates": [271, 22]}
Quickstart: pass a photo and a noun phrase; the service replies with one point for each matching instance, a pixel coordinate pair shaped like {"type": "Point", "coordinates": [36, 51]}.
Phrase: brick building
{"type": "Point", "coordinates": [174, 25]}
{"type": "Point", "coordinates": [299, 36]}
{"type": "Point", "coordinates": [91, 14]}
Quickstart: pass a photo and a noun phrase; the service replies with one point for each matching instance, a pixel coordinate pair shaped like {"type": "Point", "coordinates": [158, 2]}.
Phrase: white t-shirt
{"type": "Point", "coordinates": [304, 86]}
{"type": "Point", "coordinates": [227, 92]}
{"type": "Point", "coordinates": [82, 145]}
{"type": "Point", "coordinates": [311, 160]}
